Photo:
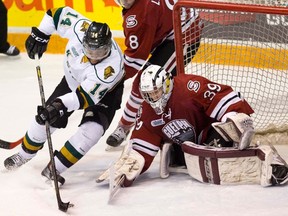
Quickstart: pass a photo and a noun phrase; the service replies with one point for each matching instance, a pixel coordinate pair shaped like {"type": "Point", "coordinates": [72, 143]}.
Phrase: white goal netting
{"type": "Point", "coordinates": [243, 44]}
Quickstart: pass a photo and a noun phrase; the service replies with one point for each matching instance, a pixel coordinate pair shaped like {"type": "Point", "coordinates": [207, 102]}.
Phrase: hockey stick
{"type": "Point", "coordinates": [61, 205]}
{"type": "Point", "coordinates": [10, 145]}
{"type": "Point", "coordinates": [114, 186]}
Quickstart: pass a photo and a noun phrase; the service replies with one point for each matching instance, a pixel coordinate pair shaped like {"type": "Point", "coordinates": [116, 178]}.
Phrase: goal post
{"type": "Point", "coordinates": [244, 44]}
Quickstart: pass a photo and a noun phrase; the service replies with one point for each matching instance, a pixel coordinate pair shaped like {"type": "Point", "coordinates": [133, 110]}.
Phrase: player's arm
{"type": "Point", "coordinates": [218, 100]}
{"type": "Point", "coordinates": [87, 94]}
{"type": "Point", "coordinates": [230, 111]}
{"type": "Point", "coordinates": [53, 20]}
{"type": "Point", "coordinates": [69, 102]}
{"type": "Point", "coordinates": [137, 157]}
{"type": "Point", "coordinates": [139, 41]}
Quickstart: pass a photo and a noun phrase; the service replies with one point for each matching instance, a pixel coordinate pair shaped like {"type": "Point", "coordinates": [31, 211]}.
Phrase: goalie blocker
{"type": "Point", "coordinates": [255, 165]}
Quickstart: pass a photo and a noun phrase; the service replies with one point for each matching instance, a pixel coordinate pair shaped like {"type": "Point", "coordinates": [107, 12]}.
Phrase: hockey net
{"type": "Point", "coordinates": [244, 45]}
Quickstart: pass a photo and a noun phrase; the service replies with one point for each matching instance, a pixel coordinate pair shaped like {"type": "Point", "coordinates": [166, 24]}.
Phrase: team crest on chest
{"type": "Point", "coordinates": [179, 130]}
{"type": "Point", "coordinates": [109, 71]}
{"type": "Point", "coordinates": [131, 21]}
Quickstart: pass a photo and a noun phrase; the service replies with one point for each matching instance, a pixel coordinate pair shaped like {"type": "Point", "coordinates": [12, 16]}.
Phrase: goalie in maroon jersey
{"type": "Point", "coordinates": [210, 122]}
{"type": "Point", "coordinates": [149, 36]}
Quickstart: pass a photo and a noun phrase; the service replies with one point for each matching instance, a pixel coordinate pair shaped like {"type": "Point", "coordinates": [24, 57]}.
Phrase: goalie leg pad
{"type": "Point", "coordinates": [165, 160]}
{"type": "Point", "coordinates": [274, 167]}
{"type": "Point", "coordinates": [222, 165]}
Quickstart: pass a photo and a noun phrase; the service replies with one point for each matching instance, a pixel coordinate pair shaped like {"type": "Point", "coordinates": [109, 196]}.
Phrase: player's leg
{"type": "Point", "coordinates": [35, 136]}
{"type": "Point", "coordinates": [95, 121]}
{"type": "Point", "coordinates": [5, 47]}
{"type": "Point", "coordinates": [128, 117]}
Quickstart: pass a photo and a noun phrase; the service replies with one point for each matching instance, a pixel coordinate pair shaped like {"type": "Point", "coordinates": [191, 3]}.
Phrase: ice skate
{"type": "Point", "coordinates": [12, 51]}
{"type": "Point", "coordinates": [47, 173]}
{"type": "Point", "coordinates": [117, 137]}
{"type": "Point", "coordinates": [15, 161]}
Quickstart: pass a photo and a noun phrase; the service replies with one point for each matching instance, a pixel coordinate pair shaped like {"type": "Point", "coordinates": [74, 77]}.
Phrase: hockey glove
{"type": "Point", "coordinates": [51, 113]}
{"type": "Point", "coordinates": [237, 128]}
{"type": "Point", "coordinates": [126, 169]}
{"type": "Point", "coordinates": [36, 43]}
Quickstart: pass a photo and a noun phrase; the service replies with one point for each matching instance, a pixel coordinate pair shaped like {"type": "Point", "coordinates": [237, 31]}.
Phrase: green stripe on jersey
{"type": "Point", "coordinates": [87, 97]}
{"type": "Point", "coordinates": [56, 16]}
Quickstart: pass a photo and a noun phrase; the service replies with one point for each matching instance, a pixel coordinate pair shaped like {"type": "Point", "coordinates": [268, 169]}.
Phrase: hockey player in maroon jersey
{"type": "Point", "coordinates": [212, 124]}
{"type": "Point", "coordinates": [149, 36]}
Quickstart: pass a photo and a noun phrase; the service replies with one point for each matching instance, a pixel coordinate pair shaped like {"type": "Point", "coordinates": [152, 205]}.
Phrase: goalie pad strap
{"type": "Point", "coordinates": [205, 169]}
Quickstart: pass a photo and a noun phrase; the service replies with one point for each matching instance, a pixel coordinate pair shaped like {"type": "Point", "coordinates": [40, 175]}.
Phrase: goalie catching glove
{"type": "Point", "coordinates": [36, 43]}
{"type": "Point", "coordinates": [51, 113]}
{"type": "Point", "coordinates": [129, 165]}
{"type": "Point", "coordinates": [237, 128]}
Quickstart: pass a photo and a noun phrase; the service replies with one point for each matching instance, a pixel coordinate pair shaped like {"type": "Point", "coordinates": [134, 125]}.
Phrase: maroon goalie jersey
{"type": "Point", "coordinates": [194, 104]}
{"type": "Point", "coordinates": [146, 25]}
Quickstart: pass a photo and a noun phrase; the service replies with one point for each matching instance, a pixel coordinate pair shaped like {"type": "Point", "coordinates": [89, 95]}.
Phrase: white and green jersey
{"type": "Point", "coordinates": [93, 81]}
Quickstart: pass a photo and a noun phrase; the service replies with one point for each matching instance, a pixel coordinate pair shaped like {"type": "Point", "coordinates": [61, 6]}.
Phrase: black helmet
{"type": "Point", "coordinates": [97, 41]}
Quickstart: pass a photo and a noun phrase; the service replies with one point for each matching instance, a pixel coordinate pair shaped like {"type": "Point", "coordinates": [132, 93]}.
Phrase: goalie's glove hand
{"type": "Point", "coordinates": [126, 169]}
{"type": "Point", "coordinates": [51, 113]}
{"type": "Point", "coordinates": [36, 43]}
{"type": "Point", "coordinates": [237, 128]}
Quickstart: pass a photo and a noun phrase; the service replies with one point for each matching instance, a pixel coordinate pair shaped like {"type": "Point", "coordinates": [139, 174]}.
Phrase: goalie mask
{"type": "Point", "coordinates": [156, 85]}
{"type": "Point", "coordinates": [125, 3]}
{"type": "Point", "coordinates": [97, 41]}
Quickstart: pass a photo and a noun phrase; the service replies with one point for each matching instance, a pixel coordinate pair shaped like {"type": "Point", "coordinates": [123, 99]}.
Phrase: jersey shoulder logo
{"type": "Point", "coordinates": [131, 21]}
{"type": "Point", "coordinates": [84, 59]}
{"type": "Point", "coordinates": [109, 71]}
{"type": "Point", "coordinates": [84, 26]}
{"type": "Point", "coordinates": [193, 85]}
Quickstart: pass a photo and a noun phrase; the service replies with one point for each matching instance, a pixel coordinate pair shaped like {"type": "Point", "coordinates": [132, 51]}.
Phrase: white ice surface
{"type": "Point", "coordinates": [24, 193]}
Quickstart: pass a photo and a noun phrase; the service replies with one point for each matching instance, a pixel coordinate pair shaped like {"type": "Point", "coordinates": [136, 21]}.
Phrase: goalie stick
{"type": "Point", "coordinates": [10, 145]}
{"type": "Point", "coordinates": [114, 186]}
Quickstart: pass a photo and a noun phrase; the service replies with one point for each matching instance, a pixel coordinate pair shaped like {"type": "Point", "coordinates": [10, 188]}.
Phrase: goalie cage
{"type": "Point", "coordinates": [244, 45]}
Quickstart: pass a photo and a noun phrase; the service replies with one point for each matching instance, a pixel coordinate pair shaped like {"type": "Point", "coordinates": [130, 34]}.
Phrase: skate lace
{"type": "Point", "coordinates": [119, 133]}
{"type": "Point", "coordinates": [18, 159]}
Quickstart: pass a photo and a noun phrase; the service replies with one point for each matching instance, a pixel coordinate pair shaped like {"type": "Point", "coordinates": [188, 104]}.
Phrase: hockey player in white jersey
{"type": "Point", "coordinates": [93, 81]}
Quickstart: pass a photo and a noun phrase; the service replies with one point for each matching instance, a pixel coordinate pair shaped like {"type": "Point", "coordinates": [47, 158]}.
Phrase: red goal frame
{"type": "Point", "coordinates": [216, 6]}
